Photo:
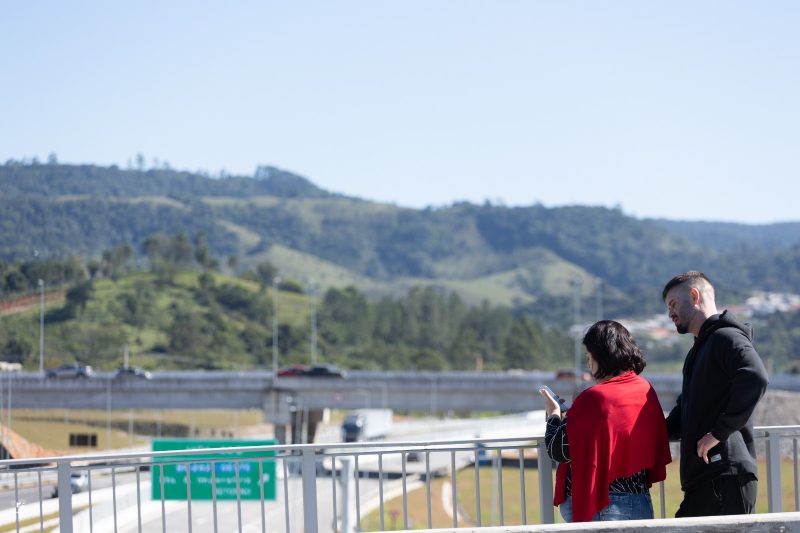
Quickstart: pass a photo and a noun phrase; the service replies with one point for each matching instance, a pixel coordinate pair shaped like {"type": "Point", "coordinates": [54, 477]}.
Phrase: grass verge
{"type": "Point", "coordinates": [492, 508]}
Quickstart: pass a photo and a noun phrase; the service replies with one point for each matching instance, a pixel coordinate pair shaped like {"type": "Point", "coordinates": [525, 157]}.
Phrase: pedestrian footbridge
{"type": "Point", "coordinates": [486, 485]}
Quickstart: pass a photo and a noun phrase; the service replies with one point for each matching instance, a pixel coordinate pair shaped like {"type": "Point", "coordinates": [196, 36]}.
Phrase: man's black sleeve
{"type": "Point", "coordinates": [748, 379]}
{"type": "Point", "coordinates": [674, 421]}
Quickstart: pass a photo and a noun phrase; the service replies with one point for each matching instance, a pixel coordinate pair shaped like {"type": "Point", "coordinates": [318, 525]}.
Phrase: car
{"type": "Point", "coordinates": [78, 482]}
{"type": "Point", "coordinates": [124, 372]}
{"type": "Point", "coordinates": [71, 370]}
{"type": "Point", "coordinates": [482, 455]}
{"type": "Point", "coordinates": [324, 370]}
{"type": "Point", "coordinates": [292, 371]}
{"type": "Point", "coordinates": [414, 456]}
{"type": "Point", "coordinates": [569, 374]}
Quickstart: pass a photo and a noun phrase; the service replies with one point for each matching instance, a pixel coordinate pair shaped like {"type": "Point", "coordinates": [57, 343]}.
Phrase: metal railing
{"type": "Point", "coordinates": [329, 487]}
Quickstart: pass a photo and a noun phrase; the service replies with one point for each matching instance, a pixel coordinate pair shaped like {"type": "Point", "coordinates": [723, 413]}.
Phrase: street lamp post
{"type": "Point", "coordinates": [108, 413]}
{"type": "Point", "coordinates": [8, 411]}
{"type": "Point", "coordinates": [384, 394]}
{"type": "Point", "coordinates": [599, 299]}
{"type": "Point", "coordinates": [312, 294]}
{"type": "Point", "coordinates": [275, 281]}
{"type": "Point", "coordinates": [41, 326]}
{"type": "Point", "coordinates": [576, 302]}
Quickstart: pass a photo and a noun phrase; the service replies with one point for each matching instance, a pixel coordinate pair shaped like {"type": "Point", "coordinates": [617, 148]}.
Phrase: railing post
{"type": "Point", "coordinates": [347, 496]}
{"type": "Point", "coordinates": [64, 498]}
{"type": "Point", "coordinates": [774, 496]}
{"type": "Point", "coordinates": [545, 466]}
{"type": "Point", "coordinates": [309, 491]}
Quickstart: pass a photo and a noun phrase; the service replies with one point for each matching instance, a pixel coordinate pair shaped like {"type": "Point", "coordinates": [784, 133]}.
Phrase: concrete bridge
{"type": "Point", "coordinates": [412, 391]}
{"type": "Point", "coordinates": [298, 401]}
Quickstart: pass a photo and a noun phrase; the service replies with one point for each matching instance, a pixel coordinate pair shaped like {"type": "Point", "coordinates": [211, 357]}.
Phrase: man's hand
{"type": "Point", "coordinates": [704, 445]}
{"type": "Point", "coordinates": [550, 407]}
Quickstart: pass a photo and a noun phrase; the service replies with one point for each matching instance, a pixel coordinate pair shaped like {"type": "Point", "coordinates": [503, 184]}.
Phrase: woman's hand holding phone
{"type": "Point", "coordinates": [552, 405]}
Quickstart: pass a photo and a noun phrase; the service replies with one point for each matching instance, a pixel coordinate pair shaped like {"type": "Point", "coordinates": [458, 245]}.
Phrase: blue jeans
{"type": "Point", "coordinates": [621, 506]}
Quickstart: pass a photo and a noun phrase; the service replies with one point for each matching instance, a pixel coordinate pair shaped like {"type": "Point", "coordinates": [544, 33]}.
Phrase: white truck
{"type": "Point", "coordinates": [366, 424]}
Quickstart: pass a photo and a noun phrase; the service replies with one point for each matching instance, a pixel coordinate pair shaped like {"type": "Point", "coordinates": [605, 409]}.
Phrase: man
{"type": "Point", "coordinates": [723, 380]}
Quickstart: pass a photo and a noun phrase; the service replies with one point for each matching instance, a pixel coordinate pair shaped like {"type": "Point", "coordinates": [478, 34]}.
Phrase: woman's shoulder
{"type": "Point", "coordinates": [589, 397]}
{"type": "Point", "coordinates": [608, 390]}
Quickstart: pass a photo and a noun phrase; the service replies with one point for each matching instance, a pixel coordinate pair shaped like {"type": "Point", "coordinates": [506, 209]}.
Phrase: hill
{"type": "Point", "coordinates": [526, 257]}
{"type": "Point", "coordinates": [199, 319]}
{"type": "Point", "coordinates": [731, 237]}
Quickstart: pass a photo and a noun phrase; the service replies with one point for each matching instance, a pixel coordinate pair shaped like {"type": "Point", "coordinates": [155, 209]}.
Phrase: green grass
{"type": "Point", "coordinates": [512, 501]}
{"type": "Point", "coordinates": [306, 266]}
{"type": "Point", "coordinates": [246, 238]}
{"type": "Point", "coordinates": [497, 289]}
{"type": "Point", "coordinates": [152, 200]}
{"type": "Point", "coordinates": [50, 428]}
{"type": "Point", "coordinates": [85, 332]}
{"type": "Point", "coordinates": [36, 520]}
{"type": "Point", "coordinates": [502, 288]}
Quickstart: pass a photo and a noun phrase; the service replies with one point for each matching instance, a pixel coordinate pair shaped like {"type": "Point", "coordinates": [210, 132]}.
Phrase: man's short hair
{"type": "Point", "coordinates": [687, 277]}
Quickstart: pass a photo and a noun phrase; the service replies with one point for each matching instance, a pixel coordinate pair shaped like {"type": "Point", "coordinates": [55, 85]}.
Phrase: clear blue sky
{"type": "Point", "coordinates": [684, 110]}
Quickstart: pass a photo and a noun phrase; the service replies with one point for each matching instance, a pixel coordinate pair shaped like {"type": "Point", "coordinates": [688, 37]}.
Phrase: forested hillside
{"type": "Point", "coordinates": [528, 258]}
{"type": "Point", "coordinates": [182, 313]}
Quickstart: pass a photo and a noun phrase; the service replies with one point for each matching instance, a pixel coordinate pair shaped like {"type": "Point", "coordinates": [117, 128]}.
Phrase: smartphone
{"type": "Point", "coordinates": [553, 396]}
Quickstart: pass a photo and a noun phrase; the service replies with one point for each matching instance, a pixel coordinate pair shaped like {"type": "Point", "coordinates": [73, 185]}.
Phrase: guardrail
{"type": "Point", "coordinates": [317, 488]}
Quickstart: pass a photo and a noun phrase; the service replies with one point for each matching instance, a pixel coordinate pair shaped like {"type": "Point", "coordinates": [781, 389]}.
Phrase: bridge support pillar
{"type": "Point", "coordinates": [278, 413]}
{"type": "Point", "coordinates": [304, 425]}
{"type": "Point", "coordinates": [280, 433]}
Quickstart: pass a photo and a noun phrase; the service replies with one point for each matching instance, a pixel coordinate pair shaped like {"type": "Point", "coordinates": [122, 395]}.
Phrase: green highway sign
{"type": "Point", "coordinates": [217, 469]}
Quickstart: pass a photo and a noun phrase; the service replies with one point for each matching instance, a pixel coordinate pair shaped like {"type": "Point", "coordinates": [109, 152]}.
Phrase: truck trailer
{"type": "Point", "coordinates": [366, 424]}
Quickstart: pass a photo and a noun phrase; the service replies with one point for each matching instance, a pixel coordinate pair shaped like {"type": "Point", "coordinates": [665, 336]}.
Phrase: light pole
{"type": "Point", "coordinates": [576, 302]}
{"type": "Point", "coordinates": [312, 297]}
{"type": "Point", "coordinates": [108, 413]}
{"type": "Point", "coordinates": [384, 394]}
{"type": "Point", "coordinates": [433, 394]}
{"type": "Point", "coordinates": [3, 451]}
{"type": "Point", "coordinates": [275, 281]}
{"type": "Point", "coordinates": [599, 299]}
{"type": "Point", "coordinates": [41, 326]}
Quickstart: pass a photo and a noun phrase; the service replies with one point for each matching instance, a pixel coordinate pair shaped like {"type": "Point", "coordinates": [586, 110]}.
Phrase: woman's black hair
{"type": "Point", "coordinates": [614, 349]}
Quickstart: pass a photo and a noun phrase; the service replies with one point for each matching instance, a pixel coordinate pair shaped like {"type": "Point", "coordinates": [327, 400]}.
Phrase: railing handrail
{"type": "Point", "coordinates": [415, 445]}
{"type": "Point", "coordinates": [777, 428]}
{"type": "Point", "coordinates": [311, 456]}
{"type": "Point", "coordinates": [322, 447]}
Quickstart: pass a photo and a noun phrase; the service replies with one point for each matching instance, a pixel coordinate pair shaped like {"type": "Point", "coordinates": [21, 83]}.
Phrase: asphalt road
{"type": "Point", "coordinates": [247, 516]}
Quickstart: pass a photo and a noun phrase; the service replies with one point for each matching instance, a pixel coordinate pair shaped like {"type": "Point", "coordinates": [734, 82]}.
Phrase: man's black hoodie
{"type": "Point", "coordinates": [723, 380]}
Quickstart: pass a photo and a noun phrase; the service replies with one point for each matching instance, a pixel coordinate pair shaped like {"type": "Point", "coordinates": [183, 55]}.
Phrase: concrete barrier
{"type": "Point", "coordinates": [757, 523]}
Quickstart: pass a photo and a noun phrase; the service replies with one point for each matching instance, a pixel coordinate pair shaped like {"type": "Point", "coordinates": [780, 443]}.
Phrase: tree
{"type": "Point", "coordinates": [265, 273]}
{"type": "Point", "coordinates": [115, 260]}
{"type": "Point", "coordinates": [344, 316]}
{"type": "Point", "coordinates": [202, 254]}
{"type": "Point", "coordinates": [521, 345]}
{"type": "Point", "coordinates": [181, 250]}
{"type": "Point", "coordinates": [15, 281]}
{"type": "Point", "coordinates": [427, 359]}
{"type": "Point", "coordinates": [189, 335]}
{"type": "Point", "coordinates": [79, 295]}
{"type": "Point", "coordinates": [15, 350]}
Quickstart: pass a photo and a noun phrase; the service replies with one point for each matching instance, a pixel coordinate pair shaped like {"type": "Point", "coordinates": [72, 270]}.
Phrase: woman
{"type": "Point", "coordinates": [612, 442]}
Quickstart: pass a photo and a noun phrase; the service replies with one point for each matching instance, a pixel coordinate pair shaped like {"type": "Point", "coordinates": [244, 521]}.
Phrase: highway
{"type": "Point", "coordinates": [176, 513]}
{"type": "Point", "coordinates": [425, 430]}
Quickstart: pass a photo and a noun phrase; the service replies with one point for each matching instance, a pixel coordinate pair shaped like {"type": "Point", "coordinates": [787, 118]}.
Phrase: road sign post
{"type": "Point", "coordinates": [174, 471]}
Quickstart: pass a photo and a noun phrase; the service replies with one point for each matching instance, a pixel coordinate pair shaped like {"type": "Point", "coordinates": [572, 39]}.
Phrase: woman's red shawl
{"type": "Point", "coordinates": [614, 429]}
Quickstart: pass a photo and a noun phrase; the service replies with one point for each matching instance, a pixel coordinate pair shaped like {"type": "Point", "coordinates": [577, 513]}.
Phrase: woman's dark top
{"type": "Point", "coordinates": [555, 438]}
